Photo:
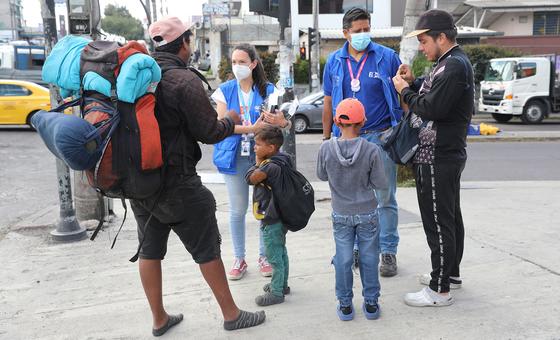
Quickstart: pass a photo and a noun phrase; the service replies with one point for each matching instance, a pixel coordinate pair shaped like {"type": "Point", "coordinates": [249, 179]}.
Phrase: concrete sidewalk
{"type": "Point", "coordinates": [84, 290]}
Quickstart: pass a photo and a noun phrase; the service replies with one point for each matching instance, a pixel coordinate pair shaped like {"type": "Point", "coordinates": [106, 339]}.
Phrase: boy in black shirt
{"type": "Point", "coordinates": [265, 175]}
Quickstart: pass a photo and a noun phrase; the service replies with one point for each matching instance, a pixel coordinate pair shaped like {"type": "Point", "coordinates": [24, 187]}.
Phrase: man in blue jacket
{"type": "Point", "coordinates": [363, 69]}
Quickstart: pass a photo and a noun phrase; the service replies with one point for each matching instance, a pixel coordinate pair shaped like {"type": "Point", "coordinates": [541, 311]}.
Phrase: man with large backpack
{"type": "Point", "coordinates": [184, 205]}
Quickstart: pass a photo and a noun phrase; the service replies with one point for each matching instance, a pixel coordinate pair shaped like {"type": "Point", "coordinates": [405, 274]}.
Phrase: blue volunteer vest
{"type": "Point", "coordinates": [225, 152]}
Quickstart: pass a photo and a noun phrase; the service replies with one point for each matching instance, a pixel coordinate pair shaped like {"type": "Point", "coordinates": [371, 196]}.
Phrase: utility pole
{"type": "Point", "coordinates": [67, 229]}
{"type": "Point", "coordinates": [90, 205]}
{"type": "Point", "coordinates": [286, 61]}
{"type": "Point", "coordinates": [154, 10]}
{"type": "Point", "coordinates": [281, 9]}
{"type": "Point", "coordinates": [314, 62]}
{"type": "Point", "coordinates": [409, 46]}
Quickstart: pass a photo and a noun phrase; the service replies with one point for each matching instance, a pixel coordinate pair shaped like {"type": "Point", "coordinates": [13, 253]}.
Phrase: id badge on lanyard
{"type": "Point", "coordinates": [245, 112]}
{"type": "Point", "coordinates": [355, 80]}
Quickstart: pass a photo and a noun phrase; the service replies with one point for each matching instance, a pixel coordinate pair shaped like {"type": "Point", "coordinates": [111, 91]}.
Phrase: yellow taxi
{"type": "Point", "coordinates": [19, 100]}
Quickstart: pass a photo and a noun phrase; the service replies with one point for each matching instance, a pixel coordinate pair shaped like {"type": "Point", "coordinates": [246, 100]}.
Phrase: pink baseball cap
{"type": "Point", "coordinates": [166, 30]}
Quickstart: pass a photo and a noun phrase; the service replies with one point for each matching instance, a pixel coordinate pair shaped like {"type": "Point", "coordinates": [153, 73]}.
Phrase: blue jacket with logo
{"type": "Point", "coordinates": [225, 152]}
{"type": "Point", "coordinates": [385, 58]}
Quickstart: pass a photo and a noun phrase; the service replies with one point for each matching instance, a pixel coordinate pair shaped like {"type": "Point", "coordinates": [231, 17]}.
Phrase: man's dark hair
{"type": "Point", "coordinates": [271, 135]}
{"type": "Point", "coordinates": [175, 46]}
{"type": "Point", "coordinates": [450, 34]}
{"type": "Point", "coordinates": [354, 14]}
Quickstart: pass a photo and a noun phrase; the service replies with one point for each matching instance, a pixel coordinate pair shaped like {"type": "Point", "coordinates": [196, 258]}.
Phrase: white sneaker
{"type": "Point", "coordinates": [427, 298]}
{"type": "Point", "coordinates": [454, 282]}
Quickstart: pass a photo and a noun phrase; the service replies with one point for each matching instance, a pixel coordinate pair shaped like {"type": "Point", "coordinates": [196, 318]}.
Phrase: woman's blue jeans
{"type": "Point", "coordinates": [238, 193]}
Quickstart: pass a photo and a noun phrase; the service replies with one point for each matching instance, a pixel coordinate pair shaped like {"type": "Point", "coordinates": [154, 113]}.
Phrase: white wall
{"type": "Point", "coordinates": [380, 18]}
{"type": "Point", "coordinates": [509, 24]}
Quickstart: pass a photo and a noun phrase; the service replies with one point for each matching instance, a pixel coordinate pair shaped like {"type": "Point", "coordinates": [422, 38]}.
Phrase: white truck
{"type": "Point", "coordinates": [526, 87]}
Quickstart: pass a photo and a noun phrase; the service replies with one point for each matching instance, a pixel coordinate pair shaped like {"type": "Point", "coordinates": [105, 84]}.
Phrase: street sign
{"type": "Point", "coordinates": [215, 9]}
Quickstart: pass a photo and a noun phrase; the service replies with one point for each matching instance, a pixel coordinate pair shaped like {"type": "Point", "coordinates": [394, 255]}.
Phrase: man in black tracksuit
{"type": "Point", "coordinates": [444, 101]}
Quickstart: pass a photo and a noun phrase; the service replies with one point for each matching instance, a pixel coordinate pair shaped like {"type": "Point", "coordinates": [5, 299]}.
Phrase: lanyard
{"type": "Point", "coordinates": [359, 70]}
{"type": "Point", "coordinates": [245, 110]}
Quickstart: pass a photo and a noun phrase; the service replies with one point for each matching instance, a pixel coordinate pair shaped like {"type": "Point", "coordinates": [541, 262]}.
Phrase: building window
{"type": "Point", "coordinates": [523, 19]}
{"type": "Point", "coordinates": [334, 6]}
{"type": "Point", "coordinates": [546, 23]}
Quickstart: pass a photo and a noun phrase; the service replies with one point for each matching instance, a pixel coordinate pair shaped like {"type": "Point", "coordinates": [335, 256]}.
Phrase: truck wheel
{"type": "Point", "coordinates": [500, 118]}
{"type": "Point", "coordinates": [533, 113]}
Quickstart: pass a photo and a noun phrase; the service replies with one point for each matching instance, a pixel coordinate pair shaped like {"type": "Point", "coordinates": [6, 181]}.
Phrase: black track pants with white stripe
{"type": "Point", "coordinates": [437, 188]}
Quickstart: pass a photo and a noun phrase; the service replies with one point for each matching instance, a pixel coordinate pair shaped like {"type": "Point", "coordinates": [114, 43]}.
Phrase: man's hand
{"type": "Point", "coordinates": [406, 73]}
{"type": "Point", "coordinates": [234, 116]}
{"type": "Point", "coordinates": [259, 124]}
{"type": "Point", "coordinates": [400, 83]}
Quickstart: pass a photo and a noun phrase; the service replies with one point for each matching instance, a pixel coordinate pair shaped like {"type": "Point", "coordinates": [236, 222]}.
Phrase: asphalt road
{"type": "Point", "coordinates": [487, 161]}
{"type": "Point", "coordinates": [28, 171]}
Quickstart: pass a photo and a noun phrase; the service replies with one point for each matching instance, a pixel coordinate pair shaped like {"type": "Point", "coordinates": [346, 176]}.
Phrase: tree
{"type": "Point", "coordinates": [118, 21]}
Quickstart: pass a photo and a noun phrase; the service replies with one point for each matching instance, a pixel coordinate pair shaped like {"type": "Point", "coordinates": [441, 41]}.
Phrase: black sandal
{"type": "Point", "coordinates": [171, 321]}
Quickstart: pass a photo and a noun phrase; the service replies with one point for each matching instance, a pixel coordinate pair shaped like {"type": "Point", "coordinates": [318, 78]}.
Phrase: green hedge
{"type": "Point", "coordinates": [301, 70]}
{"type": "Point", "coordinates": [480, 55]}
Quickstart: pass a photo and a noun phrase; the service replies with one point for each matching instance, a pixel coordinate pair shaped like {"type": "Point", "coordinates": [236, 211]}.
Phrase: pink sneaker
{"type": "Point", "coordinates": [238, 270]}
{"type": "Point", "coordinates": [264, 267]}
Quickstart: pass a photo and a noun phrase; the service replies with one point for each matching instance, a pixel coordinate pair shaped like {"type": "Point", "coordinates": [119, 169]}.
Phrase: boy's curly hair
{"type": "Point", "coordinates": [271, 135]}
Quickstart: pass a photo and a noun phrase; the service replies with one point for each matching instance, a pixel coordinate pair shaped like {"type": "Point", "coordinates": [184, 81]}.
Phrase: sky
{"type": "Point", "coordinates": [181, 8]}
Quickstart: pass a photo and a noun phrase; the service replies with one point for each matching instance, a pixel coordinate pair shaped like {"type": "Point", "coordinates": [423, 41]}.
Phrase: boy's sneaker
{"type": "Point", "coordinates": [268, 299]}
{"type": "Point", "coordinates": [356, 262]}
{"type": "Point", "coordinates": [238, 270]}
{"type": "Point", "coordinates": [371, 310]}
{"type": "Point", "coordinates": [345, 313]}
{"type": "Point", "coordinates": [264, 267]}
{"type": "Point", "coordinates": [286, 289]}
{"type": "Point", "coordinates": [427, 298]}
{"type": "Point", "coordinates": [454, 282]}
{"type": "Point", "coordinates": [388, 266]}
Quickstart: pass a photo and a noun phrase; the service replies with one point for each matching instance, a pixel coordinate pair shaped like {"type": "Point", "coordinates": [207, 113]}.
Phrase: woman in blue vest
{"type": "Point", "coordinates": [246, 95]}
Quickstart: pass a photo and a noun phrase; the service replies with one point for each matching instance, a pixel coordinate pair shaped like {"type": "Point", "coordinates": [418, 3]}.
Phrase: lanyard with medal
{"type": "Point", "coordinates": [355, 82]}
{"type": "Point", "coordinates": [245, 112]}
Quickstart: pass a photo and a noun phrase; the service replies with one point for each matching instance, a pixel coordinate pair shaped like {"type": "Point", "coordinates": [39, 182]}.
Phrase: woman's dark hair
{"type": "Point", "coordinates": [354, 14]}
{"type": "Point", "coordinates": [175, 46]}
{"type": "Point", "coordinates": [450, 34]}
{"type": "Point", "coordinates": [259, 77]}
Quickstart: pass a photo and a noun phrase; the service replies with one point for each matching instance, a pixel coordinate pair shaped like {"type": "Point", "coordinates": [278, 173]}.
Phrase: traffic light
{"type": "Point", "coordinates": [312, 36]}
{"type": "Point", "coordinates": [302, 53]}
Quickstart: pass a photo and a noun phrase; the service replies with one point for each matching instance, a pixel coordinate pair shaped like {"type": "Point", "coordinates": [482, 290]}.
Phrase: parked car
{"type": "Point", "coordinates": [309, 115]}
{"type": "Point", "coordinates": [19, 100]}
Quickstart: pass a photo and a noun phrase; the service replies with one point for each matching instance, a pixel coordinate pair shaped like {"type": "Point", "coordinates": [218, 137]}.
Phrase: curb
{"type": "Point", "coordinates": [486, 139]}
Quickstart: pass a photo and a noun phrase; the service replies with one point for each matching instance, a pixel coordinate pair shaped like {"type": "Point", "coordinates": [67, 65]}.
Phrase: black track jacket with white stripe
{"type": "Point", "coordinates": [446, 97]}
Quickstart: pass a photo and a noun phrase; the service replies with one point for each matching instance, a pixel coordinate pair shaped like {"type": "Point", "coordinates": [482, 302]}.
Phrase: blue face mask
{"type": "Point", "coordinates": [360, 41]}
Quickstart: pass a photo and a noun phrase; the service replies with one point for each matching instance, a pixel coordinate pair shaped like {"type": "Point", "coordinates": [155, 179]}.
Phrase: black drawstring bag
{"type": "Point", "coordinates": [402, 143]}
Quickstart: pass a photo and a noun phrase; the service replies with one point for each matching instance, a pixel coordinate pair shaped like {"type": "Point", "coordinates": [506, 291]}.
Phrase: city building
{"type": "Point", "coordinates": [530, 26]}
{"type": "Point", "coordinates": [11, 21]}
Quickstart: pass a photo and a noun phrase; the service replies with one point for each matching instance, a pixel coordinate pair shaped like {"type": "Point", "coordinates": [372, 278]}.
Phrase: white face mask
{"type": "Point", "coordinates": [241, 71]}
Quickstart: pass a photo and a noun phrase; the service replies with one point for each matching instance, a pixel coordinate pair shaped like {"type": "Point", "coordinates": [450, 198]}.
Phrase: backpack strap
{"type": "Point", "coordinates": [194, 70]}
{"type": "Point", "coordinates": [67, 105]}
